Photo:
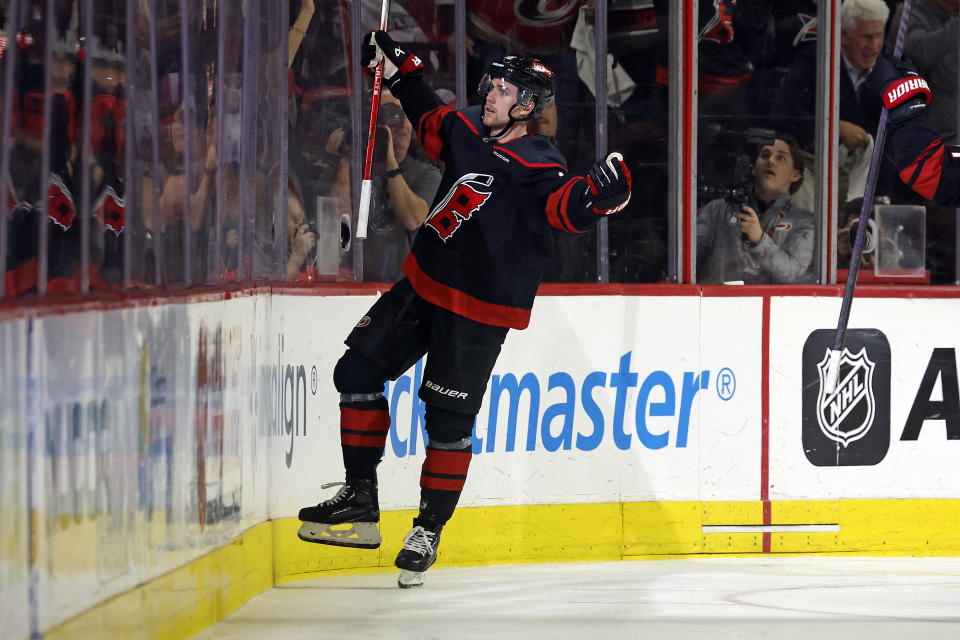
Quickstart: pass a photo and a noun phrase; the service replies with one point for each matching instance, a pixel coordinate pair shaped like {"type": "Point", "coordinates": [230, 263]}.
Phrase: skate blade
{"type": "Point", "coordinates": [363, 535]}
{"type": "Point", "coordinates": [410, 579]}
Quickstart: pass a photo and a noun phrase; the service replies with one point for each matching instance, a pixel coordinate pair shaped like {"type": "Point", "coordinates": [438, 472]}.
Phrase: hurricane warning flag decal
{"type": "Point", "coordinates": [847, 414]}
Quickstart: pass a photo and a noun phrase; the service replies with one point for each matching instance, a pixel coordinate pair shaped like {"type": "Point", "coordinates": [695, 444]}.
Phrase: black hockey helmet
{"type": "Point", "coordinates": [533, 79]}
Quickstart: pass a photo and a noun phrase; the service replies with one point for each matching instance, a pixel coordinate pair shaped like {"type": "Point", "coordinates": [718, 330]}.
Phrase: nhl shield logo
{"type": "Point", "coordinates": [847, 414]}
{"type": "Point", "coordinates": [850, 427]}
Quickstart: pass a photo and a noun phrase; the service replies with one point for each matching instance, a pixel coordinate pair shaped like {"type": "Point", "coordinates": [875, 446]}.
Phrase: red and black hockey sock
{"type": "Point", "coordinates": [442, 478]}
{"type": "Point", "coordinates": [364, 425]}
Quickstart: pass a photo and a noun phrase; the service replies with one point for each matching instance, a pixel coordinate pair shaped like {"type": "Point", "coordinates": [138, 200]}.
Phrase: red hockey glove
{"type": "Point", "coordinates": [398, 63]}
{"type": "Point", "coordinates": [903, 92]}
{"type": "Point", "coordinates": [609, 183]}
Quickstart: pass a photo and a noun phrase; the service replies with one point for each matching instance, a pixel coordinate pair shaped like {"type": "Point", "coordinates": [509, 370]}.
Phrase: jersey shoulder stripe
{"type": "Point", "coordinates": [467, 121]}
{"type": "Point", "coordinates": [534, 151]}
{"type": "Point", "coordinates": [533, 164]}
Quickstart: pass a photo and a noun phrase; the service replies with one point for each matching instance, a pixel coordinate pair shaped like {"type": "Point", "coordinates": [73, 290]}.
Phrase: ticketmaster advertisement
{"type": "Point", "coordinates": [595, 402]}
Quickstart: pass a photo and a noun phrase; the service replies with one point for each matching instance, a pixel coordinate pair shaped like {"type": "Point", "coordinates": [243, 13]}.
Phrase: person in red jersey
{"type": "Point", "coordinates": [470, 277]}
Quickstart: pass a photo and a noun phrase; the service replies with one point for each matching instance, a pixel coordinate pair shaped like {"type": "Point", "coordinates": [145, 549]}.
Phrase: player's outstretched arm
{"type": "Point", "coordinates": [581, 201]}
{"type": "Point", "coordinates": [403, 71]}
{"type": "Point", "coordinates": [926, 164]}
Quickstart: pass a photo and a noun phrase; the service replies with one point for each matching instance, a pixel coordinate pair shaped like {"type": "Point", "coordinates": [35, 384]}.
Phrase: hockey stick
{"type": "Point", "coordinates": [833, 365]}
{"type": "Point", "coordinates": [366, 185]}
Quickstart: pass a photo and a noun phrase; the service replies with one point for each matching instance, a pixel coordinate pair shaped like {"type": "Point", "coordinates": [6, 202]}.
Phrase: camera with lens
{"type": "Point", "coordinates": [322, 115]}
{"type": "Point", "coordinates": [390, 115]}
{"type": "Point", "coordinates": [727, 167]}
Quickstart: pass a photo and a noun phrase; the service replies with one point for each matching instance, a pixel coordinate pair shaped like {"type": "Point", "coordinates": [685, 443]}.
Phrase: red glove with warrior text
{"type": "Point", "coordinates": [904, 93]}
{"type": "Point", "coordinates": [609, 183]}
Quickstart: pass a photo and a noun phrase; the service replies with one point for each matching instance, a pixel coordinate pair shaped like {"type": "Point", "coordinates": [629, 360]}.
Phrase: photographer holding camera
{"type": "Point", "coordinates": [757, 235]}
{"type": "Point", "coordinates": [402, 188]}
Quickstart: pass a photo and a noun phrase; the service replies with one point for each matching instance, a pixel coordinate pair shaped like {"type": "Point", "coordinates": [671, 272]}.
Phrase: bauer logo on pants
{"type": "Point", "coordinates": [851, 426]}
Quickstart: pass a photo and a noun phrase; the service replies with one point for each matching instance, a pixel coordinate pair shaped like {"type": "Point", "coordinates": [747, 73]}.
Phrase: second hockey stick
{"type": "Point", "coordinates": [833, 365]}
{"type": "Point", "coordinates": [366, 186]}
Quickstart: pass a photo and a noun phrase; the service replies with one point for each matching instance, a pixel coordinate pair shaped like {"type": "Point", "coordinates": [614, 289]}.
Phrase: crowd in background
{"type": "Point", "coordinates": [197, 202]}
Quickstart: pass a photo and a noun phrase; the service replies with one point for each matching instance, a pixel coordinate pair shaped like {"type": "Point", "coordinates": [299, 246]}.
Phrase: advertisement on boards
{"type": "Point", "coordinates": [143, 426]}
{"type": "Point", "coordinates": [892, 428]}
{"type": "Point", "coordinates": [14, 511]}
{"type": "Point", "coordinates": [601, 399]}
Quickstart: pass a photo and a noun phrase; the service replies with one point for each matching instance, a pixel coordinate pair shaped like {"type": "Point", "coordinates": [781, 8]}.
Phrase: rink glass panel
{"type": "Point", "coordinates": [106, 177]}
{"type": "Point", "coordinates": [638, 38]}
{"type": "Point", "coordinates": [5, 129]}
{"type": "Point", "coordinates": [27, 230]}
{"type": "Point", "coordinates": [228, 124]}
{"type": "Point", "coordinates": [141, 143]}
{"type": "Point", "coordinates": [264, 140]}
{"type": "Point", "coordinates": [747, 56]}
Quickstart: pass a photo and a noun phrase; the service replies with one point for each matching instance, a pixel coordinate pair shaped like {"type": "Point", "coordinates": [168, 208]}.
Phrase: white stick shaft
{"type": "Point", "coordinates": [833, 372]}
{"type": "Point", "coordinates": [364, 212]}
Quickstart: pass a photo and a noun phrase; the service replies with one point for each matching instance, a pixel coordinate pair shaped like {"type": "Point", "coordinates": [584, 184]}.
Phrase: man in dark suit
{"type": "Point", "coordinates": [861, 41]}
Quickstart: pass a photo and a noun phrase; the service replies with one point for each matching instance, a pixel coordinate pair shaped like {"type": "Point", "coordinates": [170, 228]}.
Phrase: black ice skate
{"type": "Point", "coordinates": [418, 554]}
{"type": "Point", "coordinates": [348, 519]}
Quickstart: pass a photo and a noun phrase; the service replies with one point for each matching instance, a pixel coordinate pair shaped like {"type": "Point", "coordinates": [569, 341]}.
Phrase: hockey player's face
{"type": "Point", "coordinates": [862, 45]}
{"type": "Point", "coordinates": [774, 172]}
{"type": "Point", "coordinates": [500, 99]}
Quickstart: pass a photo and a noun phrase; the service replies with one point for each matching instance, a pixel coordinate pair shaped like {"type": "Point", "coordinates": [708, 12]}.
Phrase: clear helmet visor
{"type": "Point", "coordinates": [488, 84]}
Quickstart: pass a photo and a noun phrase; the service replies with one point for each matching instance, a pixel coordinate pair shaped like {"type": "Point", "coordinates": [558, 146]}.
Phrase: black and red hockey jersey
{"type": "Point", "coordinates": [488, 237]}
{"type": "Point", "coordinates": [925, 163]}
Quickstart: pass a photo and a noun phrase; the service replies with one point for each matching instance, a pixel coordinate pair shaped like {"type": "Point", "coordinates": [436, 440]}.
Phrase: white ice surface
{"type": "Point", "coordinates": [776, 597]}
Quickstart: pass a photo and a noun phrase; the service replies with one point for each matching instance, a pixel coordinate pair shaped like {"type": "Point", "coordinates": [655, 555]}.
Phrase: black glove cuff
{"type": "Point", "coordinates": [906, 111]}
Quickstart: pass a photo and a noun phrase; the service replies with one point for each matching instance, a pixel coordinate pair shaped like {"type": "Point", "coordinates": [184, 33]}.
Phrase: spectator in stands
{"type": "Point", "coordinates": [765, 239]}
{"type": "Point", "coordinates": [499, 27]}
{"type": "Point", "coordinates": [403, 188]}
{"type": "Point", "coordinates": [931, 44]}
{"type": "Point", "coordinates": [861, 41]}
{"type": "Point", "coordinates": [862, 27]}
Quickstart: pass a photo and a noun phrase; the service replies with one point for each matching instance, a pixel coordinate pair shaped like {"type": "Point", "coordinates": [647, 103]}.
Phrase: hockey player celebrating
{"type": "Point", "coordinates": [471, 275]}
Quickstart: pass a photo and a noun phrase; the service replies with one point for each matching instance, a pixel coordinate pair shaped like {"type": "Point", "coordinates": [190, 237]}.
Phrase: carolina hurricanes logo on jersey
{"type": "Point", "coordinates": [720, 27]}
{"type": "Point", "coordinates": [808, 29]}
{"type": "Point", "coordinates": [60, 205]}
{"type": "Point", "coordinates": [545, 13]}
{"type": "Point", "coordinates": [110, 211]}
{"type": "Point", "coordinates": [463, 200]}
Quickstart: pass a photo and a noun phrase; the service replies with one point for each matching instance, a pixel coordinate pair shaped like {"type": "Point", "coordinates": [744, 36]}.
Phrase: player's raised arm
{"type": "Point", "coordinates": [581, 201]}
{"type": "Point", "coordinates": [926, 164]}
{"type": "Point", "coordinates": [402, 71]}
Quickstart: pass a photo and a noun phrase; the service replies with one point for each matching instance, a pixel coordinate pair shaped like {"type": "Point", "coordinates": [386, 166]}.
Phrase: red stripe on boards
{"type": "Point", "coordinates": [765, 420]}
